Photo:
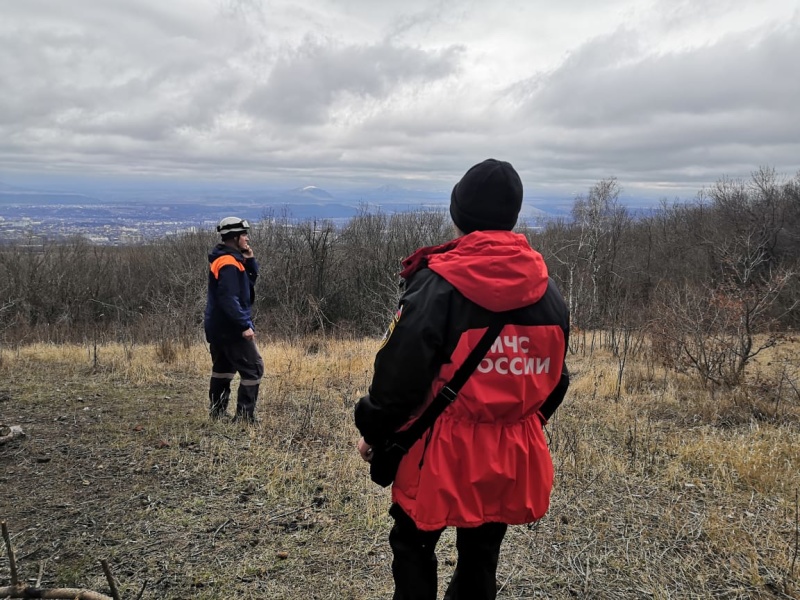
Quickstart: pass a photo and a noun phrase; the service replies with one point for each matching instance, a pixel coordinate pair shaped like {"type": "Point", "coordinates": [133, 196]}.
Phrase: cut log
{"type": "Point", "coordinates": [54, 593]}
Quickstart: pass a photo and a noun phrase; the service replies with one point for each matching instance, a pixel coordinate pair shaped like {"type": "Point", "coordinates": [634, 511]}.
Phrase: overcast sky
{"type": "Point", "coordinates": [665, 95]}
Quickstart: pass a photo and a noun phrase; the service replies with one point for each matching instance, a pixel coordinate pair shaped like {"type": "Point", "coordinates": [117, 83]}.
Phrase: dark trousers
{"type": "Point", "coordinates": [228, 358]}
{"type": "Point", "coordinates": [415, 566]}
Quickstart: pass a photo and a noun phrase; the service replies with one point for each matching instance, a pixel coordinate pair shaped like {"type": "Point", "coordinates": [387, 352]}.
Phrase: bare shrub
{"type": "Point", "coordinates": [165, 351]}
{"type": "Point", "coordinates": [713, 331]}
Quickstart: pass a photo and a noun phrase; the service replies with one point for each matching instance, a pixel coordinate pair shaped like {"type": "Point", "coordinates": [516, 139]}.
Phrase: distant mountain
{"type": "Point", "coordinates": [309, 192]}
{"type": "Point", "coordinates": [392, 190]}
{"type": "Point", "coordinates": [391, 194]}
{"type": "Point", "coordinates": [389, 187]}
{"type": "Point", "coordinates": [13, 195]}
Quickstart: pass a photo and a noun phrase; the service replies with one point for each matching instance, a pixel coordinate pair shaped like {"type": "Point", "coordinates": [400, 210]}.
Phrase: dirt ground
{"type": "Point", "coordinates": [124, 465]}
{"type": "Point", "coordinates": [137, 474]}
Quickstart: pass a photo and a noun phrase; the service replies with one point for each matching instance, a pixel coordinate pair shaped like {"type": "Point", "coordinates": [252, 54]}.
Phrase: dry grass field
{"type": "Point", "coordinates": [666, 492]}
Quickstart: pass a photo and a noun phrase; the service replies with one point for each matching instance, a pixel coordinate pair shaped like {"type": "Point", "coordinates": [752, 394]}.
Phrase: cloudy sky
{"type": "Point", "coordinates": [665, 95]}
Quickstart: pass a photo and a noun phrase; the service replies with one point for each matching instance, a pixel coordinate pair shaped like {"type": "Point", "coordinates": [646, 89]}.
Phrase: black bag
{"type": "Point", "coordinates": [386, 458]}
{"type": "Point", "coordinates": [385, 462]}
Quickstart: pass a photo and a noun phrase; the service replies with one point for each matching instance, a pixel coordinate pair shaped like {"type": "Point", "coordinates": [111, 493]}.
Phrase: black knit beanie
{"type": "Point", "coordinates": [488, 197]}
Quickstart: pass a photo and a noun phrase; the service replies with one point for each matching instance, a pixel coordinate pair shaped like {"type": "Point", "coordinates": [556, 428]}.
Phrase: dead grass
{"type": "Point", "coordinates": [667, 492]}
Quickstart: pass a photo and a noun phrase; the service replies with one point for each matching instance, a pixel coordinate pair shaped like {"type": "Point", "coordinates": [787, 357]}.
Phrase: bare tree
{"type": "Point", "coordinates": [601, 221]}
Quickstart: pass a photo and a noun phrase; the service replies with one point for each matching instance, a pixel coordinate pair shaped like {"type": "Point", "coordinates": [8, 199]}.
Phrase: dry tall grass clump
{"type": "Point", "coordinates": [663, 489]}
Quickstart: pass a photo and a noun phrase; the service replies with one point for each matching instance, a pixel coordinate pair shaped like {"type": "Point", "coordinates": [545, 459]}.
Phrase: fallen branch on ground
{"type": "Point", "coordinates": [20, 590]}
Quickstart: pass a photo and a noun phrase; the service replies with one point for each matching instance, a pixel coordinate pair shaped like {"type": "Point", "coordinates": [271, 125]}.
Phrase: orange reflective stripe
{"type": "Point", "coordinates": [224, 261]}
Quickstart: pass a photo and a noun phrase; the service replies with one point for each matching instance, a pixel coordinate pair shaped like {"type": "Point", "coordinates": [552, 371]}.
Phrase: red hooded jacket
{"type": "Point", "coordinates": [486, 457]}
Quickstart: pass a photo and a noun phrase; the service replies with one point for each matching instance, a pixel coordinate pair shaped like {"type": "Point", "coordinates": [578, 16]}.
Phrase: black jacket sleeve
{"type": "Point", "coordinates": [556, 397]}
{"type": "Point", "coordinates": [409, 359]}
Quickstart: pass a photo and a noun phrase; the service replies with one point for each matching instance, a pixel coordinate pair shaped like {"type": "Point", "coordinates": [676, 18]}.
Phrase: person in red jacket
{"type": "Point", "coordinates": [484, 464]}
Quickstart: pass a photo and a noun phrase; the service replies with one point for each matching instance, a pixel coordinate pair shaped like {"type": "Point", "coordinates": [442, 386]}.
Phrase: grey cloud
{"type": "Point", "coordinates": [601, 85]}
{"type": "Point", "coordinates": [677, 14]}
{"type": "Point", "coordinates": [306, 82]}
{"type": "Point", "coordinates": [425, 18]}
{"type": "Point", "coordinates": [122, 19]}
{"type": "Point", "coordinates": [90, 76]}
{"type": "Point", "coordinates": [687, 117]}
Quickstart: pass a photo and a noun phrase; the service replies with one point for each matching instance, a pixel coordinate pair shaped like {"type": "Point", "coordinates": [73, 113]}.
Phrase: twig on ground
{"type": "Point", "coordinates": [289, 512]}
{"type": "Point", "coordinates": [220, 528]}
{"type": "Point", "coordinates": [141, 591]}
{"type": "Point", "coordinates": [796, 532]}
{"type": "Point", "coordinates": [12, 561]}
{"type": "Point", "coordinates": [110, 578]}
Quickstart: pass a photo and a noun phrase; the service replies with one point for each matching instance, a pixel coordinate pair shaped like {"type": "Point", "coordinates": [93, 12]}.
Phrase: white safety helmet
{"type": "Point", "coordinates": [233, 225]}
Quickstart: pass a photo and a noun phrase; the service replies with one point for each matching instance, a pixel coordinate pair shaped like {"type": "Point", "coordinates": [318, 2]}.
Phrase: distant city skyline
{"type": "Point", "coordinates": [666, 96]}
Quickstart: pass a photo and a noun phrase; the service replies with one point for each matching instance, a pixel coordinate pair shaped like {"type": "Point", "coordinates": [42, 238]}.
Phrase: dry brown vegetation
{"type": "Point", "coordinates": [663, 490]}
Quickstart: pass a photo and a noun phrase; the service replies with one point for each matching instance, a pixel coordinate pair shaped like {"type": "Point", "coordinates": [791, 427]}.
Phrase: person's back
{"type": "Point", "coordinates": [485, 462]}
{"type": "Point", "coordinates": [487, 459]}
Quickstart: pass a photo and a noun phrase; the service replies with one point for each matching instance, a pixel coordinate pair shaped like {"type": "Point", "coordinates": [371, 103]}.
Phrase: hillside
{"type": "Point", "coordinates": [668, 492]}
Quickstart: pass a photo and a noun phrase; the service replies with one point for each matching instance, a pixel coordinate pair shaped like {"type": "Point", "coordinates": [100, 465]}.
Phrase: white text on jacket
{"type": "Point", "coordinates": [514, 365]}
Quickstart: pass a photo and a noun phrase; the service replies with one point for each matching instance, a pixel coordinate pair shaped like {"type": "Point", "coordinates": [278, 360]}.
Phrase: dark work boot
{"type": "Point", "coordinates": [218, 395]}
{"type": "Point", "coordinates": [246, 403]}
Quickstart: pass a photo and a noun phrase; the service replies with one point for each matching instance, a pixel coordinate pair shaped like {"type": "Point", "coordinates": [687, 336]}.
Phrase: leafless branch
{"type": "Point", "coordinates": [20, 590]}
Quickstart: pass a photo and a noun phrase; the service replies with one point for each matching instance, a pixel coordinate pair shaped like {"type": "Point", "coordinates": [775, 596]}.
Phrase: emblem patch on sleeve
{"type": "Point", "coordinates": [391, 327]}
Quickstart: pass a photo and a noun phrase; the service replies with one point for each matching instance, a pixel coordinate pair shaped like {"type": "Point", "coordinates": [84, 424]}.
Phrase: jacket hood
{"type": "Point", "coordinates": [497, 270]}
{"type": "Point", "coordinates": [222, 250]}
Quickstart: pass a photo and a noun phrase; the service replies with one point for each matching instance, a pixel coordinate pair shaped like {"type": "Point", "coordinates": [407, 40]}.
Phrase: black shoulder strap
{"type": "Point", "coordinates": [449, 392]}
